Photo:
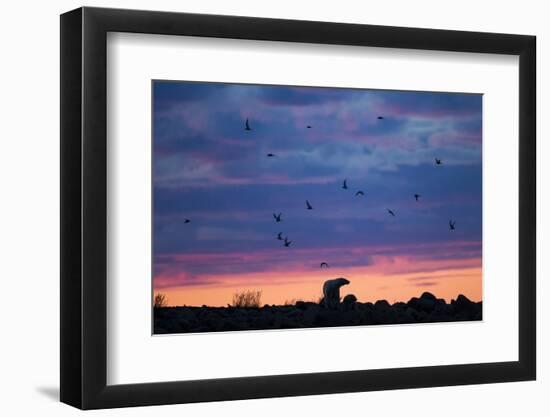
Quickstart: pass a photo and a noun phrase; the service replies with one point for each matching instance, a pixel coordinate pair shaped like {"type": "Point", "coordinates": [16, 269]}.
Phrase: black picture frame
{"type": "Point", "coordinates": [84, 207]}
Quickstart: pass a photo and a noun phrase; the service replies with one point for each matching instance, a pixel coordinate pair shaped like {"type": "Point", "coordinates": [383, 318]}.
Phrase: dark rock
{"type": "Point", "coordinates": [349, 302]}
{"type": "Point", "coordinates": [310, 314]}
{"type": "Point", "coordinates": [428, 296]}
{"type": "Point", "coordinates": [366, 317]}
{"type": "Point", "coordinates": [159, 312]}
{"type": "Point", "coordinates": [349, 299]}
{"type": "Point", "coordinates": [382, 305]}
{"type": "Point", "coordinates": [287, 323]}
{"type": "Point", "coordinates": [304, 314]}
{"type": "Point", "coordinates": [322, 318]}
{"type": "Point", "coordinates": [384, 315]}
{"type": "Point", "coordinates": [227, 326]}
{"type": "Point", "coordinates": [295, 313]}
{"type": "Point", "coordinates": [413, 302]}
{"type": "Point", "coordinates": [462, 304]}
{"type": "Point", "coordinates": [442, 309]}
{"type": "Point", "coordinates": [425, 304]}
{"type": "Point", "coordinates": [422, 317]}
{"type": "Point", "coordinates": [406, 315]}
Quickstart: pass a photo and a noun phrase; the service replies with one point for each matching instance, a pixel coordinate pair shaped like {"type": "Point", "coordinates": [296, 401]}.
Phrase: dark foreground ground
{"type": "Point", "coordinates": [426, 309]}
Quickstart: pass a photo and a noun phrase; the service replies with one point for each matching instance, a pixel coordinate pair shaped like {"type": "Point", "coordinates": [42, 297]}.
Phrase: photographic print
{"type": "Point", "coordinates": [283, 207]}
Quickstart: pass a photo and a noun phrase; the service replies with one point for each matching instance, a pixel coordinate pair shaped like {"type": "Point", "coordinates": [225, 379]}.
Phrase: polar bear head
{"type": "Point", "coordinates": [340, 282]}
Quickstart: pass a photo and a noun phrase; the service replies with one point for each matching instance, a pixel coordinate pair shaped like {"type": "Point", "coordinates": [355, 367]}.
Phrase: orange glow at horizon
{"type": "Point", "coordinates": [395, 279]}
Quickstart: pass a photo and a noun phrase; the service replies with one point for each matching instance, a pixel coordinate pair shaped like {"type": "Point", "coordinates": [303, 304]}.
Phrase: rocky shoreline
{"type": "Point", "coordinates": [424, 309]}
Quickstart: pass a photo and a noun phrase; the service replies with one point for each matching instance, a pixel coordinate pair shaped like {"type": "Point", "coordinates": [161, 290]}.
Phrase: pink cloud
{"type": "Point", "coordinates": [385, 260]}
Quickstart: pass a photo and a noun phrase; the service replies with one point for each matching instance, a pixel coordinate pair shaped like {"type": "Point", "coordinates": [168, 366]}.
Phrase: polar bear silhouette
{"type": "Point", "coordinates": [331, 292]}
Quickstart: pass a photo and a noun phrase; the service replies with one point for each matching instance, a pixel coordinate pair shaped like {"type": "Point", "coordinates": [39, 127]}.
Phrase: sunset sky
{"type": "Point", "coordinates": [207, 168]}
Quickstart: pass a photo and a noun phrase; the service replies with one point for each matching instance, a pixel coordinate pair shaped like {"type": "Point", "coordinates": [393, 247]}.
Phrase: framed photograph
{"type": "Point", "coordinates": [256, 208]}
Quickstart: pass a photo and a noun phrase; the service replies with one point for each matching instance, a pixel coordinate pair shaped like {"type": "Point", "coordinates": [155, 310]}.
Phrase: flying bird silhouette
{"type": "Point", "coordinates": [452, 225]}
{"type": "Point", "coordinates": [277, 217]}
{"type": "Point", "coordinates": [309, 206]}
{"type": "Point", "coordinates": [391, 212]}
{"type": "Point", "coordinates": [380, 118]}
{"type": "Point", "coordinates": [187, 221]}
{"type": "Point", "coordinates": [416, 197]}
{"type": "Point", "coordinates": [324, 264]}
{"type": "Point", "coordinates": [287, 242]}
{"type": "Point", "coordinates": [270, 155]}
{"type": "Point", "coordinates": [280, 236]}
{"type": "Point", "coordinates": [247, 126]}
{"type": "Point", "coordinates": [437, 161]}
{"type": "Point", "coordinates": [345, 185]}
{"type": "Point", "coordinates": [358, 193]}
{"type": "Point", "coordinates": [308, 126]}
